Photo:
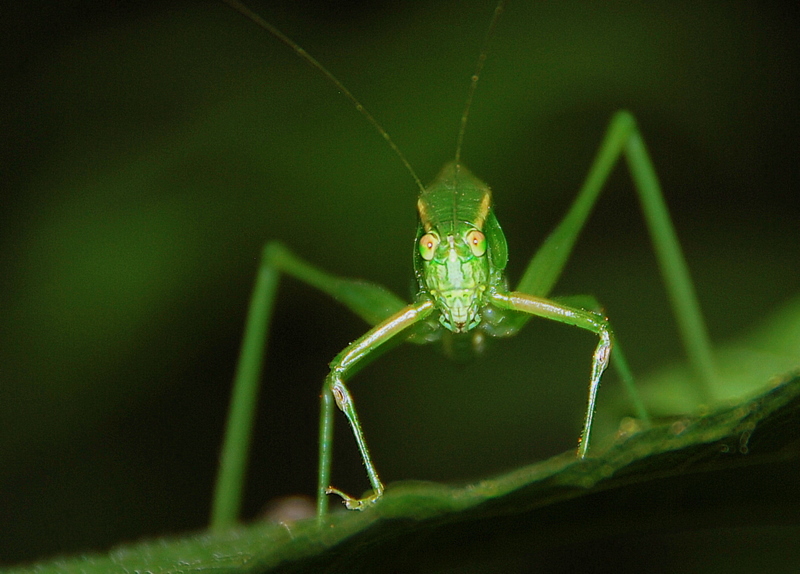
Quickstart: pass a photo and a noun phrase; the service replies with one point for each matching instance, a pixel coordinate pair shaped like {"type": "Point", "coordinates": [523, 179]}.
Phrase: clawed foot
{"type": "Point", "coordinates": [355, 503]}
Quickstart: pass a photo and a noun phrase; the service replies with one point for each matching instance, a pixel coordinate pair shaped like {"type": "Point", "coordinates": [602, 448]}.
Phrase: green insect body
{"type": "Point", "coordinates": [460, 257]}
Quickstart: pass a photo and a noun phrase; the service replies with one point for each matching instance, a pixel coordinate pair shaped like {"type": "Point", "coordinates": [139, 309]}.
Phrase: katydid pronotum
{"type": "Point", "coordinates": [462, 293]}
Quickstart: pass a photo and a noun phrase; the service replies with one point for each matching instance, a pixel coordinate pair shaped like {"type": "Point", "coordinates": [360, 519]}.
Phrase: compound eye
{"type": "Point", "coordinates": [427, 246]}
{"type": "Point", "coordinates": [477, 242]}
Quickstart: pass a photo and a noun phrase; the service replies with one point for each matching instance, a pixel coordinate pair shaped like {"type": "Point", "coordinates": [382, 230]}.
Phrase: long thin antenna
{"type": "Point", "coordinates": [258, 20]}
{"type": "Point", "coordinates": [498, 11]}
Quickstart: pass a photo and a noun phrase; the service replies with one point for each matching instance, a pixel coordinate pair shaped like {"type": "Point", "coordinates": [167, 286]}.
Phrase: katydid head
{"type": "Point", "coordinates": [460, 249]}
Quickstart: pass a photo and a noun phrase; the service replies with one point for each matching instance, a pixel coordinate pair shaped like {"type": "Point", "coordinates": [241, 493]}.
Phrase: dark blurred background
{"type": "Point", "coordinates": [150, 149]}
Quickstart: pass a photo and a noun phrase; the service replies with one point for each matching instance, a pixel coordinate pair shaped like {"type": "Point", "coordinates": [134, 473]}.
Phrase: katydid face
{"type": "Point", "coordinates": [455, 271]}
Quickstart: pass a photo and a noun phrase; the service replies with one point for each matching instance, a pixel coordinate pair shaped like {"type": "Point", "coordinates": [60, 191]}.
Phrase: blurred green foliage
{"type": "Point", "coordinates": [149, 151]}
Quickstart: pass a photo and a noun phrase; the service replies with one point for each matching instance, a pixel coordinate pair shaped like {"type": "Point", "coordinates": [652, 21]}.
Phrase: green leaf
{"type": "Point", "coordinates": [672, 483]}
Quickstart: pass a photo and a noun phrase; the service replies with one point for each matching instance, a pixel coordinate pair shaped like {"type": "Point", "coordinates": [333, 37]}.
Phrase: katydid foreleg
{"type": "Point", "coordinates": [372, 302]}
{"type": "Point", "coordinates": [589, 320]}
{"type": "Point", "coordinates": [345, 363]}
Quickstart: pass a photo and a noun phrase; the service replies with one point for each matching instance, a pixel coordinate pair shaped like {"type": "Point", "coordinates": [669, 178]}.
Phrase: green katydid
{"type": "Point", "coordinates": [463, 295]}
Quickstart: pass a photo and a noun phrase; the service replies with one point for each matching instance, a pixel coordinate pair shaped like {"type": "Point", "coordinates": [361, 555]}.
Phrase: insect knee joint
{"type": "Point", "coordinates": [340, 395]}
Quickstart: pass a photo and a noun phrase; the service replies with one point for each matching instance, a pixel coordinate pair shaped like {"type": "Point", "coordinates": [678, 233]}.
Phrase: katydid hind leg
{"type": "Point", "coordinates": [623, 139]}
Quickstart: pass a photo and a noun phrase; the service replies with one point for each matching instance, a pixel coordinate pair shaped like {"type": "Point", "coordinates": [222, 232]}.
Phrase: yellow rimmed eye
{"type": "Point", "coordinates": [427, 246]}
{"type": "Point", "coordinates": [477, 242]}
